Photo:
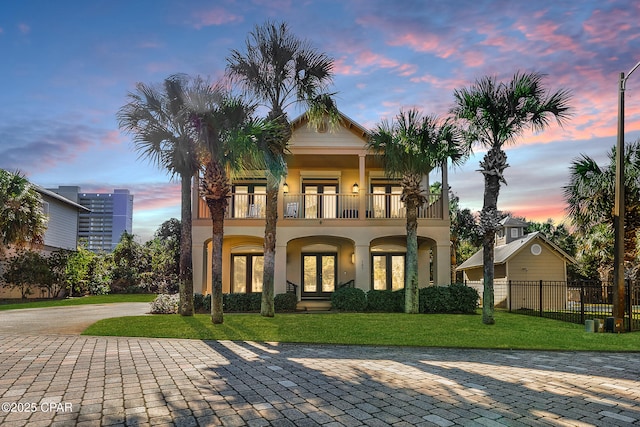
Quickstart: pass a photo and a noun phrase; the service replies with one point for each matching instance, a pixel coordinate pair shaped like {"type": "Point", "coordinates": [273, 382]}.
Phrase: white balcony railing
{"type": "Point", "coordinates": [327, 206]}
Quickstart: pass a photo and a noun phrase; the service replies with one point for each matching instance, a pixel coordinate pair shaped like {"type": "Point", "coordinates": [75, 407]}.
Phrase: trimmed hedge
{"type": "Point", "coordinates": [456, 298]}
{"type": "Point", "coordinates": [285, 302]}
{"type": "Point", "coordinates": [202, 303]}
{"type": "Point", "coordinates": [244, 302]}
{"type": "Point", "coordinates": [385, 301]}
{"type": "Point", "coordinates": [466, 298]}
{"type": "Point", "coordinates": [349, 299]}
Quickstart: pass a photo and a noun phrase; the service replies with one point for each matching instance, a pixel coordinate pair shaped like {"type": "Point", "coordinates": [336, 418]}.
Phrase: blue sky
{"type": "Point", "coordinates": [67, 67]}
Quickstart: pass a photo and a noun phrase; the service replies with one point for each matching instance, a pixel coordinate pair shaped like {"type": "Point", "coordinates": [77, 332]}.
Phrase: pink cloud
{"type": "Point", "coordinates": [24, 28]}
{"type": "Point", "coordinates": [216, 16]}
{"type": "Point", "coordinates": [156, 196]}
{"type": "Point", "coordinates": [371, 60]}
{"type": "Point", "coordinates": [113, 137]}
{"type": "Point", "coordinates": [546, 38]}
{"type": "Point", "coordinates": [425, 42]}
{"type": "Point", "coordinates": [606, 27]}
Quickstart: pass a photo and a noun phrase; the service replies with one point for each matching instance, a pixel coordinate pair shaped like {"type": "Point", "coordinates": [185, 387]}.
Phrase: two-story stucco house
{"type": "Point", "coordinates": [340, 220]}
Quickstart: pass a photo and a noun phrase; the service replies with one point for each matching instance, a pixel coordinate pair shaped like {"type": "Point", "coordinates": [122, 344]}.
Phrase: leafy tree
{"type": "Point", "coordinates": [22, 220]}
{"type": "Point", "coordinates": [99, 273]}
{"type": "Point", "coordinates": [25, 270]}
{"type": "Point", "coordinates": [466, 237]}
{"type": "Point", "coordinates": [590, 197]}
{"type": "Point", "coordinates": [409, 147]}
{"type": "Point", "coordinates": [228, 134]}
{"type": "Point", "coordinates": [495, 114]}
{"type": "Point", "coordinates": [279, 69]}
{"type": "Point", "coordinates": [163, 252]}
{"type": "Point", "coordinates": [129, 262]}
{"type": "Point", "coordinates": [162, 131]}
{"type": "Point", "coordinates": [594, 253]}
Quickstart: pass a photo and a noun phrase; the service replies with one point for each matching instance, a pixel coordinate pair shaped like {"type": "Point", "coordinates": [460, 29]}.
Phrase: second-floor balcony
{"type": "Point", "coordinates": [347, 206]}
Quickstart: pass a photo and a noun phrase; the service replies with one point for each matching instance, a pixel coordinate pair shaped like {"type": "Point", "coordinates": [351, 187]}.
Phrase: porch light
{"type": "Point", "coordinates": [285, 188]}
{"type": "Point", "coordinates": [355, 188]}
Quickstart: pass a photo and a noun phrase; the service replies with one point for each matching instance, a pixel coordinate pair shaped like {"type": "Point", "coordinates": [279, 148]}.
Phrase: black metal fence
{"type": "Point", "coordinates": [574, 301]}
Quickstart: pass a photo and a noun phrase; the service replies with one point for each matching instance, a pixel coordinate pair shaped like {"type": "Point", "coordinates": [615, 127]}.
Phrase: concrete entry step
{"type": "Point", "coordinates": [313, 305]}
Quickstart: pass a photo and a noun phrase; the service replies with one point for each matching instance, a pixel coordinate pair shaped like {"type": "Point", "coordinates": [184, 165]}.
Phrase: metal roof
{"type": "Point", "coordinates": [503, 253]}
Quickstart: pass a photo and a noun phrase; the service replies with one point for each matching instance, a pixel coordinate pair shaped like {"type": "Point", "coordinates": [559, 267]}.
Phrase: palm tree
{"type": "Point", "coordinates": [228, 136]}
{"type": "Point", "coordinates": [161, 129]}
{"type": "Point", "coordinates": [22, 220]}
{"type": "Point", "coordinates": [409, 148]}
{"type": "Point", "coordinates": [495, 114]}
{"type": "Point", "coordinates": [590, 196]}
{"type": "Point", "coordinates": [279, 69]}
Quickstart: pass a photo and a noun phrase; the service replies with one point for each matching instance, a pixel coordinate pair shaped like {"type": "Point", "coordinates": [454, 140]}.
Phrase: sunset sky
{"type": "Point", "coordinates": [67, 67]}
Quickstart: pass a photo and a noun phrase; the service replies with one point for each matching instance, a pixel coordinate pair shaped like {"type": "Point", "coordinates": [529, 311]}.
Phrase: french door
{"type": "Point", "coordinates": [247, 273]}
{"type": "Point", "coordinates": [388, 271]}
{"type": "Point", "coordinates": [249, 200]}
{"type": "Point", "coordinates": [320, 201]}
{"type": "Point", "coordinates": [387, 202]}
{"type": "Point", "coordinates": [319, 272]}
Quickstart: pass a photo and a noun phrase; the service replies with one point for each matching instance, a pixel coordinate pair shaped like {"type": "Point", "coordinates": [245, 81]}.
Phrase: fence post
{"type": "Point", "coordinates": [582, 302]}
{"type": "Point", "coordinates": [509, 294]}
{"type": "Point", "coordinates": [540, 297]}
{"type": "Point", "coordinates": [629, 305]}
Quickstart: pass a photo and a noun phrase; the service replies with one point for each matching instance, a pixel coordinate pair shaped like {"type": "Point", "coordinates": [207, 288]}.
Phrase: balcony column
{"type": "Point", "coordinates": [280, 274]}
{"type": "Point", "coordinates": [442, 264]}
{"type": "Point", "coordinates": [364, 191]}
{"type": "Point", "coordinates": [363, 267]}
{"type": "Point", "coordinates": [198, 265]}
{"type": "Point", "coordinates": [445, 191]}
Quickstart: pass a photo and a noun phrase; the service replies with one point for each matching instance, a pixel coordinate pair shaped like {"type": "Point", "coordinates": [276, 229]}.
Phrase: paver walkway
{"type": "Point", "coordinates": [107, 381]}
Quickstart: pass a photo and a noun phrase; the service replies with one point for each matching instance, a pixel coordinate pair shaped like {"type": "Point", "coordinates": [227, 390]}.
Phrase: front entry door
{"type": "Point", "coordinates": [319, 273]}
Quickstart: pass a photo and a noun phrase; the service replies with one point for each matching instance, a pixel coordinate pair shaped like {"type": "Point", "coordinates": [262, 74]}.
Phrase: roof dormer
{"type": "Point", "coordinates": [510, 229]}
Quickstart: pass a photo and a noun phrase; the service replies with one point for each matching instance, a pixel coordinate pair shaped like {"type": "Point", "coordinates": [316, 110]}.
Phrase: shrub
{"type": "Point", "coordinates": [285, 302]}
{"type": "Point", "coordinates": [399, 300]}
{"type": "Point", "coordinates": [455, 298]}
{"type": "Point", "coordinates": [242, 302]}
{"type": "Point", "coordinates": [202, 303]}
{"type": "Point", "coordinates": [435, 299]}
{"type": "Point", "coordinates": [349, 299]}
{"type": "Point", "coordinates": [382, 301]}
{"type": "Point", "coordinates": [464, 298]}
{"type": "Point", "coordinates": [165, 304]}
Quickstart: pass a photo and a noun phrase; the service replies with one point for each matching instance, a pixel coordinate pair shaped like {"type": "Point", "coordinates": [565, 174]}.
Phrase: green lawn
{"type": "Point", "coordinates": [511, 331]}
{"type": "Point", "coordinates": [97, 299]}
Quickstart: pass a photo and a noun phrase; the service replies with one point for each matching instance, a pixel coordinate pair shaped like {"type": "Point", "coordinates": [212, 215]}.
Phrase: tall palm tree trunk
{"type": "Point", "coordinates": [217, 190]}
{"type": "Point", "coordinates": [411, 281]}
{"type": "Point", "coordinates": [267, 308]}
{"type": "Point", "coordinates": [493, 166]}
{"type": "Point", "coordinates": [217, 208]}
{"type": "Point", "coordinates": [186, 269]}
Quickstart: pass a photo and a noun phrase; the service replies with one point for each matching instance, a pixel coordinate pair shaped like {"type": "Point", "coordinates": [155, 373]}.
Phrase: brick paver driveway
{"type": "Point", "coordinates": [65, 320]}
{"type": "Point", "coordinates": [70, 380]}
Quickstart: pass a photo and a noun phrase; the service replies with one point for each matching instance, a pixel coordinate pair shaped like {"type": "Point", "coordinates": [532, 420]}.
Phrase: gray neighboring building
{"type": "Point", "coordinates": [109, 216]}
{"type": "Point", "coordinates": [62, 225]}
